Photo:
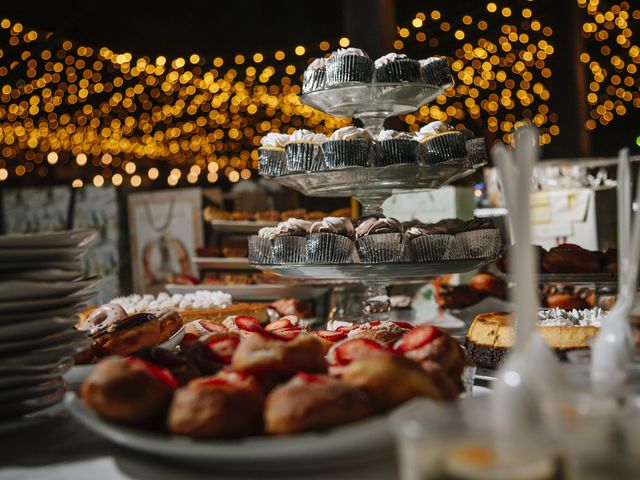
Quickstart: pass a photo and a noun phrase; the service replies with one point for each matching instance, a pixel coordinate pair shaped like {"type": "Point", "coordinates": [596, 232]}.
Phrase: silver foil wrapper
{"type": "Point", "coordinates": [432, 248]}
{"type": "Point", "coordinates": [343, 69]}
{"type": "Point", "coordinates": [272, 162]}
{"type": "Point", "coordinates": [382, 248]}
{"type": "Point", "coordinates": [288, 249]}
{"type": "Point", "coordinates": [260, 250]}
{"type": "Point", "coordinates": [399, 71]}
{"type": "Point", "coordinates": [437, 73]}
{"type": "Point", "coordinates": [328, 248]}
{"type": "Point", "coordinates": [346, 153]}
{"type": "Point", "coordinates": [485, 243]}
{"type": "Point", "coordinates": [443, 147]}
{"type": "Point", "coordinates": [397, 151]}
{"type": "Point", "coordinates": [313, 80]}
{"type": "Point", "coordinates": [303, 157]}
{"type": "Point", "coordinates": [477, 152]}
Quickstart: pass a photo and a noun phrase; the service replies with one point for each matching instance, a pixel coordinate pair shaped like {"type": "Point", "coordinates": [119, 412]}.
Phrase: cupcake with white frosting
{"type": "Point", "coordinates": [435, 71]}
{"type": "Point", "coordinates": [397, 68]}
{"type": "Point", "coordinates": [315, 76]}
{"type": "Point", "coordinates": [476, 149]}
{"type": "Point", "coordinates": [272, 160]}
{"type": "Point", "coordinates": [348, 147]}
{"type": "Point", "coordinates": [396, 148]}
{"type": "Point", "coordinates": [330, 240]}
{"type": "Point", "coordinates": [303, 152]}
{"type": "Point", "coordinates": [380, 240]}
{"type": "Point", "coordinates": [440, 143]}
{"type": "Point", "coordinates": [288, 244]}
{"type": "Point", "coordinates": [349, 65]}
{"type": "Point", "coordinates": [260, 250]}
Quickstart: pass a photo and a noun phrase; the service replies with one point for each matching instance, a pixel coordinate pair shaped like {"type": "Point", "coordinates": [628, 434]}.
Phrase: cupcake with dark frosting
{"type": "Point", "coordinates": [397, 68]}
{"type": "Point", "coordinates": [260, 250]}
{"type": "Point", "coordinates": [303, 151]}
{"type": "Point", "coordinates": [476, 149]}
{"type": "Point", "coordinates": [477, 238]}
{"type": "Point", "coordinates": [380, 240]}
{"type": "Point", "coordinates": [348, 147]}
{"type": "Point", "coordinates": [430, 242]}
{"type": "Point", "coordinates": [440, 143]}
{"type": "Point", "coordinates": [435, 71]}
{"type": "Point", "coordinates": [396, 148]}
{"type": "Point", "coordinates": [272, 160]}
{"type": "Point", "coordinates": [349, 65]}
{"type": "Point", "coordinates": [288, 244]}
{"type": "Point", "coordinates": [315, 76]}
{"type": "Point", "coordinates": [330, 240]}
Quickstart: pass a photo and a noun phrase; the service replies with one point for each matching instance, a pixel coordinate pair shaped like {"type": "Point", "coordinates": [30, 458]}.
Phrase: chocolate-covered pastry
{"type": "Point", "coordinates": [294, 227]}
{"type": "Point", "coordinates": [336, 225]}
{"type": "Point", "coordinates": [373, 226]}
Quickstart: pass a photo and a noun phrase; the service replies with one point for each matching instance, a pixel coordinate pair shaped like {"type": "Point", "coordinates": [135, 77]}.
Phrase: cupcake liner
{"type": "Point", "coordinates": [343, 69]}
{"type": "Point", "coordinates": [314, 80]}
{"type": "Point", "coordinates": [432, 248]}
{"type": "Point", "coordinates": [346, 153]}
{"type": "Point", "coordinates": [477, 152]}
{"type": "Point", "coordinates": [397, 151]}
{"type": "Point", "coordinates": [272, 162]}
{"type": "Point", "coordinates": [382, 248]}
{"type": "Point", "coordinates": [443, 147]}
{"type": "Point", "coordinates": [437, 73]}
{"type": "Point", "coordinates": [484, 243]}
{"type": "Point", "coordinates": [301, 157]}
{"type": "Point", "coordinates": [288, 249]}
{"type": "Point", "coordinates": [398, 71]}
{"type": "Point", "coordinates": [260, 250]}
{"type": "Point", "coordinates": [328, 247]}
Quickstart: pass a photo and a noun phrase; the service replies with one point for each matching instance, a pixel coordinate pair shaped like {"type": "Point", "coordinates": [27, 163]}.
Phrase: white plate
{"type": "Point", "coordinates": [21, 407]}
{"type": "Point", "coordinates": [20, 255]}
{"type": "Point", "coordinates": [16, 290]}
{"type": "Point", "coordinates": [443, 320]}
{"type": "Point", "coordinates": [24, 266]}
{"type": "Point", "coordinates": [48, 355]}
{"type": "Point", "coordinates": [61, 338]}
{"type": "Point", "coordinates": [58, 366]}
{"type": "Point", "coordinates": [349, 444]}
{"type": "Point", "coordinates": [67, 238]}
{"type": "Point", "coordinates": [24, 392]}
{"type": "Point", "coordinates": [44, 275]}
{"type": "Point", "coordinates": [265, 291]}
{"type": "Point", "coordinates": [30, 329]}
{"type": "Point", "coordinates": [174, 340]}
{"type": "Point", "coordinates": [21, 306]}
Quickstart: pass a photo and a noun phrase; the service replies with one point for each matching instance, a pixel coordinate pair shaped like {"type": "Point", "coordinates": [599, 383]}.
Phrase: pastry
{"type": "Point", "coordinates": [396, 148]}
{"type": "Point", "coordinates": [435, 71]}
{"type": "Point", "coordinates": [380, 240]}
{"type": "Point", "coordinates": [454, 297]}
{"type": "Point", "coordinates": [314, 402]}
{"type": "Point", "coordinates": [428, 243]}
{"type": "Point", "coordinates": [239, 216]}
{"type": "Point", "coordinates": [330, 241]}
{"type": "Point", "coordinates": [179, 365]}
{"type": "Point", "coordinates": [208, 251]}
{"type": "Point", "coordinates": [104, 315]}
{"type": "Point", "coordinates": [267, 216]}
{"type": "Point", "coordinates": [348, 65]}
{"type": "Point", "coordinates": [292, 306]}
{"type": "Point", "coordinates": [129, 390]}
{"type": "Point", "coordinates": [348, 147]}
{"type": "Point", "coordinates": [341, 212]}
{"type": "Point", "coordinates": [315, 76]}
{"type": "Point", "coordinates": [503, 261]}
{"type": "Point", "coordinates": [255, 310]}
{"type": "Point", "coordinates": [570, 258]}
{"type": "Point", "coordinates": [441, 143]}
{"type": "Point", "coordinates": [396, 68]}
{"type": "Point", "coordinates": [223, 406]}
{"type": "Point", "coordinates": [295, 213]}
{"type": "Point", "coordinates": [234, 252]}
{"type": "Point", "coordinates": [304, 153]}
{"type": "Point", "coordinates": [272, 160]}
{"type": "Point", "coordinates": [487, 284]}
{"type": "Point", "coordinates": [565, 301]}
{"type": "Point", "coordinates": [314, 215]}
{"type": "Point", "coordinates": [328, 338]}
{"type": "Point", "coordinates": [384, 332]}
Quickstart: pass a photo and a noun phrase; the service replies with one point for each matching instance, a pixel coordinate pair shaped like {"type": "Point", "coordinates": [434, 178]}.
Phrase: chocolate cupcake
{"type": "Point", "coordinates": [330, 241]}
{"type": "Point", "coordinates": [396, 148]}
{"type": "Point", "coordinates": [288, 245]}
{"type": "Point", "coordinates": [477, 238]}
{"type": "Point", "coordinates": [435, 71]}
{"type": "Point", "coordinates": [348, 147]}
{"type": "Point", "coordinates": [260, 250]}
{"type": "Point", "coordinates": [430, 243]}
{"type": "Point", "coordinates": [349, 65]}
{"type": "Point", "coordinates": [315, 76]}
{"type": "Point", "coordinates": [303, 152]}
{"type": "Point", "coordinates": [380, 240]}
{"type": "Point", "coordinates": [440, 143]}
{"type": "Point", "coordinates": [397, 68]}
{"type": "Point", "coordinates": [272, 161]}
{"type": "Point", "coordinates": [477, 152]}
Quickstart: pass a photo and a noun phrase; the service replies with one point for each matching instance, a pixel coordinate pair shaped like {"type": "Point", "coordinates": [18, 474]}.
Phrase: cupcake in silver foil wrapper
{"type": "Point", "coordinates": [443, 147]}
{"type": "Point", "coordinates": [396, 148]}
{"type": "Point", "coordinates": [382, 248]}
{"type": "Point", "coordinates": [289, 249]}
{"type": "Point", "coordinates": [436, 71]}
{"type": "Point", "coordinates": [397, 68]}
{"type": "Point", "coordinates": [272, 161]}
{"type": "Point", "coordinates": [484, 243]}
{"type": "Point", "coordinates": [328, 248]}
{"type": "Point", "coordinates": [303, 157]}
{"type": "Point", "coordinates": [315, 76]}
{"type": "Point", "coordinates": [348, 147]}
{"type": "Point", "coordinates": [260, 250]}
{"type": "Point", "coordinates": [431, 247]}
{"type": "Point", "coordinates": [477, 152]}
{"type": "Point", "coordinates": [350, 65]}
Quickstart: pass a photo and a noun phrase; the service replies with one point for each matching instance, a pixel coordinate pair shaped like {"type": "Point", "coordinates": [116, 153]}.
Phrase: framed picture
{"type": "Point", "coordinates": [165, 228]}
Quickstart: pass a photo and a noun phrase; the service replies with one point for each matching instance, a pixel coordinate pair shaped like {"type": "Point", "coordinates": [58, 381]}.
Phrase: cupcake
{"type": "Point", "coordinates": [477, 152]}
{"type": "Point", "coordinates": [349, 65]}
{"type": "Point", "coordinates": [288, 244]}
{"type": "Point", "coordinates": [397, 68]}
{"type": "Point", "coordinates": [303, 152]}
{"type": "Point", "coordinates": [348, 147]}
{"type": "Point", "coordinates": [477, 238]}
{"type": "Point", "coordinates": [430, 242]}
{"type": "Point", "coordinates": [260, 251]}
{"type": "Point", "coordinates": [330, 240]}
{"type": "Point", "coordinates": [272, 160]}
{"type": "Point", "coordinates": [380, 240]}
{"type": "Point", "coordinates": [315, 76]}
{"type": "Point", "coordinates": [436, 71]}
{"type": "Point", "coordinates": [440, 143]}
{"type": "Point", "coordinates": [396, 148]}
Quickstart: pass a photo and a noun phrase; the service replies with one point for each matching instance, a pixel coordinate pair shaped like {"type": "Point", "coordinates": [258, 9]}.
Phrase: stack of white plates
{"type": "Point", "coordinates": [41, 288]}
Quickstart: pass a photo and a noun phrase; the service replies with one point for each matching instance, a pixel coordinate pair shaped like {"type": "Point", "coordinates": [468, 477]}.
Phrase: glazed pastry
{"type": "Point", "coordinates": [490, 285]}
{"type": "Point", "coordinates": [129, 390]}
{"type": "Point", "coordinates": [223, 406]}
{"type": "Point", "coordinates": [565, 301]}
{"type": "Point", "coordinates": [386, 333]}
{"type": "Point", "coordinates": [569, 258]}
{"type": "Point", "coordinates": [182, 369]}
{"type": "Point", "coordinates": [314, 402]}
{"type": "Point", "coordinates": [105, 315]}
{"type": "Point", "coordinates": [380, 376]}
{"type": "Point", "coordinates": [198, 328]}
{"type": "Point", "coordinates": [344, 352]}
{"type": "Point", "coordinates": [328, 338]}
{"type": "Point", "coordinates": [213, 351]}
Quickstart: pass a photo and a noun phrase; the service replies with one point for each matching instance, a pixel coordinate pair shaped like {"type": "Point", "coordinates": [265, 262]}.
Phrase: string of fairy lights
{"type": "Point", "coordinates": [612, 59]}
{"type": "Point", "coordinates": [112, 118]}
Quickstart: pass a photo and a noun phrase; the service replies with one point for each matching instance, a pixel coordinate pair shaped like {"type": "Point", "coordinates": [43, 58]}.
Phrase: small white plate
{"type": "Point", "coordinates": [34, 329]}
{"type": "Point", "coordinates": [56, 367]}
{"type": "Point", "coordinates": [443, 320]}
{"type": "Point", "coordinates": [66, 238]}
{"type": "Point", "coordinates": [18, 290]}
{"type": "Point", "coordinates": [45, 356]}
{"type": "Point", "coordinates": [174, 340]}
{"type": "Point", "coordinates": [61, 338]}
{"type": "Point", "coordinates": [25, 392]}
{"type": "Point", "coordinates": [44, 275]}
{"type": "Point", "coordinates": [21, 306]}
{"type": "Point", "coordinates": [21, 407]}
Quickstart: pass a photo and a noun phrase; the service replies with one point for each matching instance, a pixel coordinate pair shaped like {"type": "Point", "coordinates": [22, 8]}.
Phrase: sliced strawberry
{"type": "Point", "coordinates": [357, 348]}
{"type": "Point", "coordinates": [212, 327]}
{"type": "Point", "coordinates": [222, 348]}
{"type": "Point", "coordinates": [310, 377]}
{"type": "Point", "coordinates": [214, 382]}
{"type": "Point", "coordinates": [331, 336]}
{"type": "Point", "coordinates": [418, 337]}
{"type": "Point", "coordinates": [247, 323]}
{"type": "Point", "coordinates": [346, 328]}
{"type": "Point", "coordinates": [162, 374]}
{"type": "Point", "coordinates": [279, 325]}
{"type": "Point", "coordinates": [288, 333]}
{"type": "Point", "coordinates": [406, 325]}
{"type": "Point", "coordinates": [374, 323]}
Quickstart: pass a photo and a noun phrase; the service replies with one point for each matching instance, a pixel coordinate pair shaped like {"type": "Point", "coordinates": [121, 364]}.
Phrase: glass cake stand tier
{"type": "Point", "coordinates": [372, 103]}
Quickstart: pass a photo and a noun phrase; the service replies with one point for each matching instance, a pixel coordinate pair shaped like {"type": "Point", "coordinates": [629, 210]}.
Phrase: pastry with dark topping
{"type": "Point", "coordinates": [330, 240]}
{"type": "Point", "coordinates": [380, 240]}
